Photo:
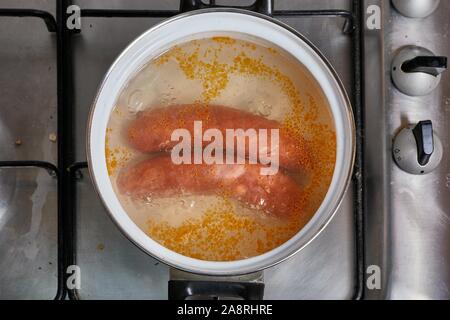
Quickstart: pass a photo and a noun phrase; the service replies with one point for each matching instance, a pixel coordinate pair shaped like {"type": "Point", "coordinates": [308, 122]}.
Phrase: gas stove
{"type": "Point", "coordinates": [391, 236]}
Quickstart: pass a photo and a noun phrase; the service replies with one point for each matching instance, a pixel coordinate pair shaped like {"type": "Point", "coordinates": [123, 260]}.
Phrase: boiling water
{"type": "Point", "coordinates": [244, 74]}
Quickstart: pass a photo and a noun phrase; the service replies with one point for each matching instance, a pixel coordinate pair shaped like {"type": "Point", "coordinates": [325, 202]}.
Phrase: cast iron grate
{"type": "Point", "coordinates": [67, 170]}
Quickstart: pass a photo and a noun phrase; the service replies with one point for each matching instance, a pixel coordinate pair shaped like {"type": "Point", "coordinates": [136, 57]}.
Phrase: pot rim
{"type": "Point", "coordinates": [232, 268]}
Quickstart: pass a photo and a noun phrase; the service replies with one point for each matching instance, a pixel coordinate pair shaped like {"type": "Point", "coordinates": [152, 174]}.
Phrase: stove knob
{"type": "Point", "coordinates": [417, 71]}
{"type": "Point", "coordinates": [416, 8]}
{"type": "Point", "coordinates": [417, 150]}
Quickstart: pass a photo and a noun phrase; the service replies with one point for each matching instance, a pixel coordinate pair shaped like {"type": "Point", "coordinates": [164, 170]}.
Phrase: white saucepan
{"type": "Point", "coordinates": [194, 25]}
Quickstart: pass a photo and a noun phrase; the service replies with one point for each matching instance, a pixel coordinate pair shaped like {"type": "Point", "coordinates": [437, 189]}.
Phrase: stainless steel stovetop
{"type": "Point", "coordinates": [407, 222]}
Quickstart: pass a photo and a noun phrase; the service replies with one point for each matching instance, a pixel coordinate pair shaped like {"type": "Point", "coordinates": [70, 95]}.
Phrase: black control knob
{"type": "Point", "coordinates": [432, 65]}
{"type": "Point", "coordinates": [416, 71]}
{"type": "Point", "coordinates": [417, 149]}
{"type": "Point", "coordinates": [423, 133]}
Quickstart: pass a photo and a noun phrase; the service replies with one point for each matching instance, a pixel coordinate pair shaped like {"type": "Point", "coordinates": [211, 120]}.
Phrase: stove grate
{"type": "Point", "coordinates": [67, 171]}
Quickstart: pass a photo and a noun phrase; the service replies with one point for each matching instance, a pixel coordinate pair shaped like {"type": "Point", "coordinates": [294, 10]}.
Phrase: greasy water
{"type": "Point", "coordinates": [244, 74]}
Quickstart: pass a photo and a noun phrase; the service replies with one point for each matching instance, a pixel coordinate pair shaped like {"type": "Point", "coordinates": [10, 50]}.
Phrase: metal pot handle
{"type": "Point", "coordinates": [188, 286]}
{"type": "Point", "coordinates": [215, 290]}
{"type": "Point", "coordinates": [261, 6]}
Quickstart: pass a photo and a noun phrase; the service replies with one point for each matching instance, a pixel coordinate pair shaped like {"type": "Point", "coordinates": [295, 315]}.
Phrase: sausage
{"type": "Point", "coordinates": [151, 131]}
{"type": "Point", "coordinates": [159, 177]}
